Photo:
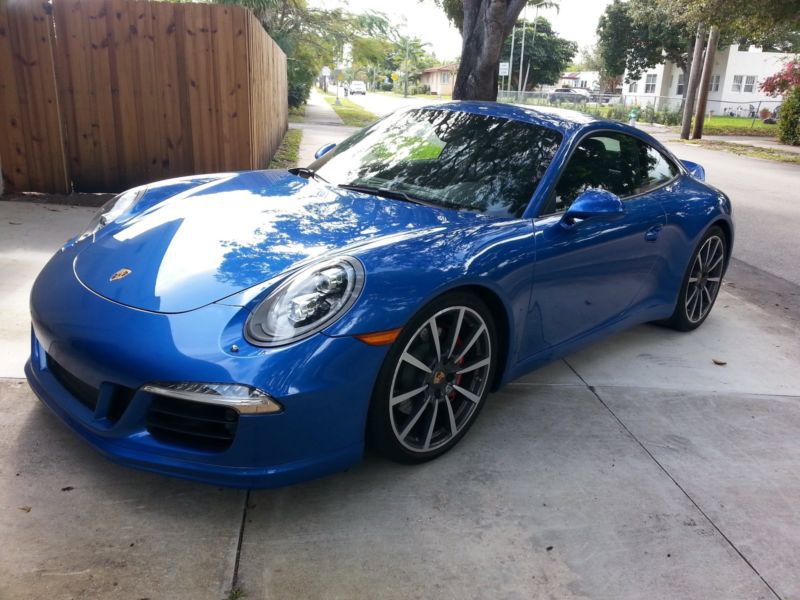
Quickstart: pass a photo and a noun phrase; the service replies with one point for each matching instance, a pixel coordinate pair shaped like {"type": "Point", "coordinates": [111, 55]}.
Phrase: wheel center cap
{"type": "Point", "coordinates": [438, 377]}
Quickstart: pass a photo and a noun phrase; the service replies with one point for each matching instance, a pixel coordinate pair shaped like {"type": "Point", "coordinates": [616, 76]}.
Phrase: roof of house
{"type": "Point", "coordinates": [449, 67]}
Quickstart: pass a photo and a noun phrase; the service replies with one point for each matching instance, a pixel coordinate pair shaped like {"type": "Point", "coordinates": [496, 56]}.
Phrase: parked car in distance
{"type": "Point", "coordinates": [358, 87]}
{"type": "Point", "coordinates": [576, 95]}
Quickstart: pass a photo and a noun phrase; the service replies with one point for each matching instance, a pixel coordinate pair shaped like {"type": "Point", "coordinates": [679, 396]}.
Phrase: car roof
{"type": "Point", "coordinates": [562, 120]}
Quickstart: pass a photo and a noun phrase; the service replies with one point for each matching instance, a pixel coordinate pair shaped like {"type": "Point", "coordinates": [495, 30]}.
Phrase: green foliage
{"type": "Point", "coordinates": [420, 88]}
{"type": "Point", "coordinates": [289, 151]}
{"type": "Point", "coordinates": [310, 37]}
{"type": "Point", "coordinates": [760, 21]}
{"type": "Point", "coordinates": [548, 55]}
{"type": "Point", "coordinates": [638, 35]}
{"type": "Point", "coordinates": [789, 118]}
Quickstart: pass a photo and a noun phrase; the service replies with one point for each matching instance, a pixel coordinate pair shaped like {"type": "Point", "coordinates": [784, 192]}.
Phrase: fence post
{"type": "Point", "coordinates": [756, 115]}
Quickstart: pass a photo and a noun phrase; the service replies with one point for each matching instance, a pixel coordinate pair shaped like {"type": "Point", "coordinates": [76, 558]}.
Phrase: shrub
{"type": "Point", "coordinates": [298, 93]}
{"type": "Point", "coordinates": [387, 86]}
{"type": "Point", "coordinates": [421, 88]}
{"type": "Point", "coordinates": [789, 118]}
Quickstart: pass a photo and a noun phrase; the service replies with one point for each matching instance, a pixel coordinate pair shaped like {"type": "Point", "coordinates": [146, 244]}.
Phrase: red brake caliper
{"type": "Point", "coordinates": [458, 378]}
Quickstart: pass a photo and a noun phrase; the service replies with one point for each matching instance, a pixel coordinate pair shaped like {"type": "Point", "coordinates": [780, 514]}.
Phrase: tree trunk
{"type": "Point", "coordinates": [485, 27]}
{"type": "Point", "coordinates": [708, 67]}
{"type": "Point", "coordinates": [691, 83]}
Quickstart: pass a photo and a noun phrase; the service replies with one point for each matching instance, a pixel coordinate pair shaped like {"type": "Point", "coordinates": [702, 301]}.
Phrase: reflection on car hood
{"type": "Point", "coordinates": [235, 231]}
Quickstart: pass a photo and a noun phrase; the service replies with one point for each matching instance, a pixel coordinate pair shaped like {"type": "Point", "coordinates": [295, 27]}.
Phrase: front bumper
{"type": "Point", "coordinates": [323, 383]}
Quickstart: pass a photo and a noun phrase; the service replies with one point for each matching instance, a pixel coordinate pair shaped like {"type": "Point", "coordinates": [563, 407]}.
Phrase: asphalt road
{"type": "Point", "coordinates": [765, 196]}
{"type": "Point", "coordinates": [766, 206]}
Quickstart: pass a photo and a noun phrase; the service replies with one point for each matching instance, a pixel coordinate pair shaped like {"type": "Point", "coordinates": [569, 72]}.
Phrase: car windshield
{"type": "Point", "coordinates": [447, 158]}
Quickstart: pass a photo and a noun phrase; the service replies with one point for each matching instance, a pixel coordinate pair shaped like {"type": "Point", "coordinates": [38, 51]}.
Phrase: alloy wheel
{"type": "Point", "coordinates": [440, 379]}
{"type": "Point", "coordinates": [705, 279]}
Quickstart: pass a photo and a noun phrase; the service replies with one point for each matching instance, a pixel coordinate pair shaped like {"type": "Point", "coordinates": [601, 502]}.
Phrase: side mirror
{"type": "Point", "coordinates": [697, 171]}
{"type": "Point", "coordinates": [592, 204]}
{"type": "Point", "coordinates": [324, 150]}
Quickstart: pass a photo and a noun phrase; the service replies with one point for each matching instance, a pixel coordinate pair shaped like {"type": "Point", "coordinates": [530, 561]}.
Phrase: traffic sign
{"type": "Point", "coordinates": [326, 71]}
{"type": "Point", "coordinates": [395, 76]}
{"type": "Point", "coordinates": [503, 69]}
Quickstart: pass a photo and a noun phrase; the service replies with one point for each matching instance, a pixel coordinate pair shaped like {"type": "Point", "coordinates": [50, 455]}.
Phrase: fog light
{"type": "Point", "coordinates": [243, 398]}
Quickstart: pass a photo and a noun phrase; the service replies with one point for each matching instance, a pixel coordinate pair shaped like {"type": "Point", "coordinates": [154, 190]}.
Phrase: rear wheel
{"type": "Point", "coordinates": [701, 283]}
{"type": "Point", "coordinates": [434, 380]}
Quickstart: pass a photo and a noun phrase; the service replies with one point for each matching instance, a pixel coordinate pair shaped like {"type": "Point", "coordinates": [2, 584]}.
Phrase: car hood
{"type": "Point", "coordinates": [234, 231]}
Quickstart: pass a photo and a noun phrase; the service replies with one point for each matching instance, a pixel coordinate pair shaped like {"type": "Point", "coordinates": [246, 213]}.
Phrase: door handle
{"type": "Point", "coordinates": [651, 235]}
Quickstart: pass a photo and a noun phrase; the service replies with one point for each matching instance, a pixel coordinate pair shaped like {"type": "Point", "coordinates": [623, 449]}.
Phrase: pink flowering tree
{"type": "Point", "coordinates": [786, 83]}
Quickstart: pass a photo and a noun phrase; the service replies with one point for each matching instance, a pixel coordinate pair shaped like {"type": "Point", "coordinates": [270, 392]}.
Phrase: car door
{"type": "Point", "coordinates": [587, 274]}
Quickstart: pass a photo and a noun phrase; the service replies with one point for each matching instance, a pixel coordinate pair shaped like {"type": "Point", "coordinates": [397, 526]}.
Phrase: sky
{"type": "Point", "coordinates": [576, 20]}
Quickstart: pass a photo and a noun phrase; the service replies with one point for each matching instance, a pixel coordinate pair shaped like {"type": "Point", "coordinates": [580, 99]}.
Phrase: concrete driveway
{"type": "Point", "coordinates": [637, 468]}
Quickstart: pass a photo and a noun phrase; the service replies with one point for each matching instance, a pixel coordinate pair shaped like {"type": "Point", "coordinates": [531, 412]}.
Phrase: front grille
{"type": "Point", "coordinates": [194, 424]}
{"type": "Point", "coordinates": [82, 391]}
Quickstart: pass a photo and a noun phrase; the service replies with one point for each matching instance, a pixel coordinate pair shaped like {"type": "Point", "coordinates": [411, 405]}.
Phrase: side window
{"type": "Point", "coordinates": [615, 162]}
{"type": "Point", "coordinates": [657, 169]}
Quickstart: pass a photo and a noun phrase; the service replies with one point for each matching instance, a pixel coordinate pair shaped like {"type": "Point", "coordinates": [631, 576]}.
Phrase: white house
{"type": "Point", "coordinates": [732, 90]}
{"type": "Point", "coordinates": [589, 80]}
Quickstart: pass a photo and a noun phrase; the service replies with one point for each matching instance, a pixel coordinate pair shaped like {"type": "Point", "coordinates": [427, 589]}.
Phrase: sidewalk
{"type": "Point", "coordinates": [321, 126]}
{"type": "Point", "coordinates": [668, 134]}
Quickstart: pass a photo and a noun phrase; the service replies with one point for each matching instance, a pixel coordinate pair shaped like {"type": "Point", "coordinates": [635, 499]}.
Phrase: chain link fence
{"type": "Point", "coordinates": [664, 110]}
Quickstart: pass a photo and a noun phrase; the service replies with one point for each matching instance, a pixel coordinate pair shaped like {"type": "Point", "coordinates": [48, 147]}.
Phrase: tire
{"type": "Point", "coordinates": [422, 405]}
{"type": "Point", "coordinates": [701, 282]}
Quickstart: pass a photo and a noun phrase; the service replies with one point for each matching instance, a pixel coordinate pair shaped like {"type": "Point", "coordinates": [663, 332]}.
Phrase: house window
{"type": "Point", "coordinates": [633, 86]}
{"type": "Point", "coordinates": [681, 84]}
{"type": "Point", "coordinates": [444, 77]}
{"type": "Point", "coordinates": [737, 83]}
{"type": "Point", "coordinates": [713, 85]}
{"type": "Point", "coordinates": [650, 84]}
{"type": "Point", "coordinates": [749, 83]}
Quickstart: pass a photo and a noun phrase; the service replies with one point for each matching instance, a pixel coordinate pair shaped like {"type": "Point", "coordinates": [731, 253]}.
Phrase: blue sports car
{"type": "Point", "coordinates": [257, 329]}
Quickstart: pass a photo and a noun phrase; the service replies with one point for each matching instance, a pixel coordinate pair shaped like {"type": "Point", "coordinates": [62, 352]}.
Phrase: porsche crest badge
{"type": "Point", "coordinates": [120, 274]}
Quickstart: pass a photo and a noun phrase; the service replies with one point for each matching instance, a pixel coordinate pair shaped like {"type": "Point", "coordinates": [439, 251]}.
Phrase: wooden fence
{"type": "Point", "coordinates": [145, 90]}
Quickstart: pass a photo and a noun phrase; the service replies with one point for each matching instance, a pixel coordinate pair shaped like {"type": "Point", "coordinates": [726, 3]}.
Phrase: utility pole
{"type": "Point", "coordinates": [691, 85]}
{"type": "Point", "coordinates": [533, 44]}
{"type": "Point", "coordinates": [708, 66]}
{"type": "Point", "coordinates": [522, 51]}
{"type": "Point", "coordinates": [405, 71]}
{"type": "Point", "coordinates": [511, 60]}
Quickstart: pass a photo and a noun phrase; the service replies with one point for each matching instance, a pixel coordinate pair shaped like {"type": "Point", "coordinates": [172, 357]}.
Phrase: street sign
{"type": "Point", "coordinates": [503, 69]}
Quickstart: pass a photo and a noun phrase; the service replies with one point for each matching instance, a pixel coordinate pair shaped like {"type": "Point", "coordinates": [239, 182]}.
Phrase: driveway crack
{"type": "Point", "coordinates": [235, 576]}
{"type": "Point", "coordinates": [592, 389]}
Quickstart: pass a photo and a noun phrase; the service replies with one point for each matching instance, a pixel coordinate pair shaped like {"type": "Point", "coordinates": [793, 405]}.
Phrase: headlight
{"type": "Point", "coordinates": [113, 210]}
{"type": "Point", "coordinates": [305, 303]}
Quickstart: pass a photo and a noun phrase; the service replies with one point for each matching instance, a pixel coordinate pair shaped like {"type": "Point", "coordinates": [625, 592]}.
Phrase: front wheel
{"type": "Point", "coordinates": [701, 282]}
{"type": "Point", "coordinates": [434, 380]}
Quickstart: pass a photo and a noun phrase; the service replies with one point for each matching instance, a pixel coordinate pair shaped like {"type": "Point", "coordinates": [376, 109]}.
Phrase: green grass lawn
{"type": "Point", "coordinates": [428, 96]}
{"type": "Point", "coordinates": [297, 115]}
{"type": "Point", "coordinates": [744, 150]}
{"type": "Point", "coordinates": [351, 113]}
{"type": "Point", "coordinates": [288, 151]}
{"type": "Point", "coordinates": [719, 125]}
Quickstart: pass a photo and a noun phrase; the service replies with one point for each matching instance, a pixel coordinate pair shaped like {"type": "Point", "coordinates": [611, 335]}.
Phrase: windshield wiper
{"type": "Point", "coordinates": [386, 193]}
{"type": "Point", "coordinates": [307, 173]}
